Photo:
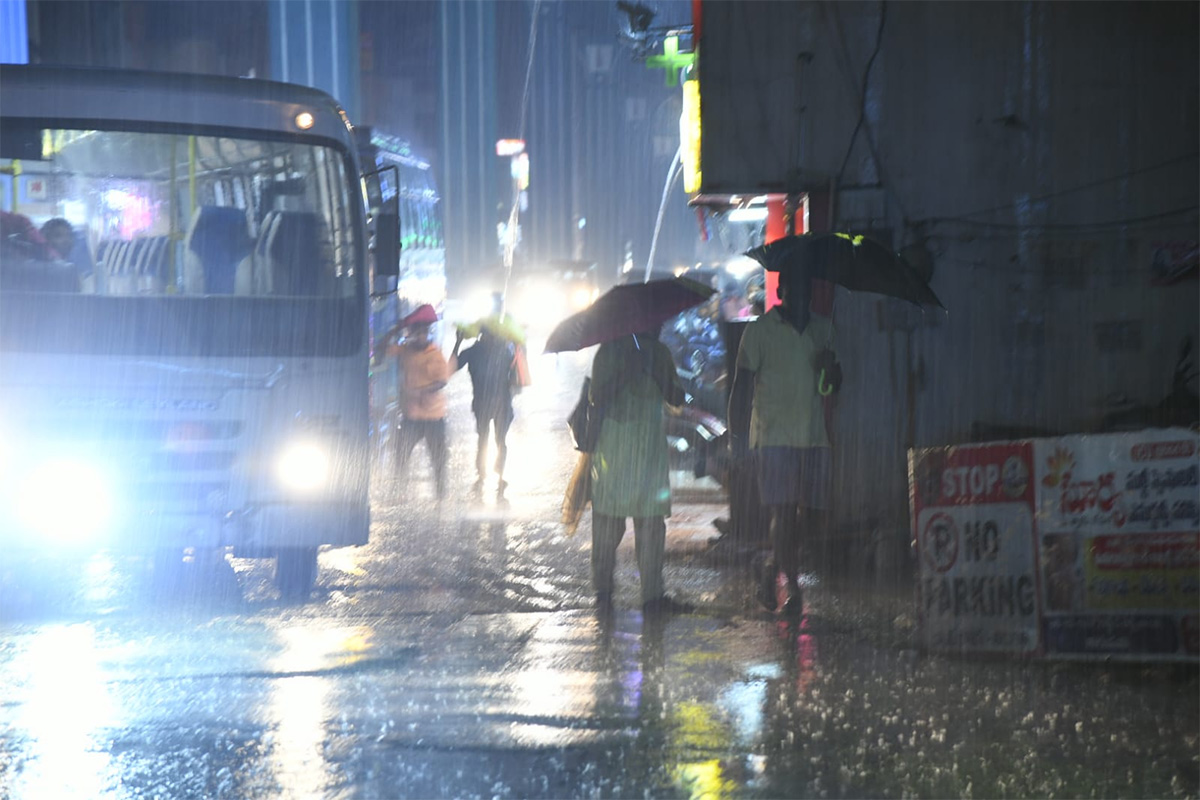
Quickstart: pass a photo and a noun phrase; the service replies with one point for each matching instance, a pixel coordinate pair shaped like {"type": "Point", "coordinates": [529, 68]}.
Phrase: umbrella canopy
{"type": "Point", "coordinates": [855, 262]}
{"type": "Point", "coordinates": [504, 328]}
{"type": "Point", "coordinates": [627, 309]}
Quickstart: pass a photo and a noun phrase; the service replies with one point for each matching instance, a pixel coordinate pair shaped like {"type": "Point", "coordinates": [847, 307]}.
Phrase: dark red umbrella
{"type": "Point", "coordinates": [625, 310]}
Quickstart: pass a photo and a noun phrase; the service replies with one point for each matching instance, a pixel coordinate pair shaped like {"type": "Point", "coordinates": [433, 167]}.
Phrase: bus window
{"type": "Point", "coordinates": [264, 226]}
{"type": "Point", "coordinates": [176, 214]}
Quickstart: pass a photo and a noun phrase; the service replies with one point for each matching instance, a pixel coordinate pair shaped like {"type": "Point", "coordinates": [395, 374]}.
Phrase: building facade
{"type": "Point", "coordinates": [1043, 155]}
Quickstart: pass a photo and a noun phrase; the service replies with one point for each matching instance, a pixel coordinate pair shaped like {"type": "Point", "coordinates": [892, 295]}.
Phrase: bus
{"type": "Point", "coordinates": [405, 180]}
{"type": "Point", "coordinates": [188, 373]}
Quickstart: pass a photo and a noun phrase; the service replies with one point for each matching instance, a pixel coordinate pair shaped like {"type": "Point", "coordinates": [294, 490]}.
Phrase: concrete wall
{"type": "Point", "coordinates": [1039, 150]}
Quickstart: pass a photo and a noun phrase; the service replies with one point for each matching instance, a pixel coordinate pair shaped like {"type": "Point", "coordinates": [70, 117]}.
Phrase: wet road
{"type": "Point", "coordinates": [457, 655]}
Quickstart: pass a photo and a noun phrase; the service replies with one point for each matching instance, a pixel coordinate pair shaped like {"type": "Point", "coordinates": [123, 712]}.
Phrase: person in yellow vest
{"type": "Point", "coordinates": [785, 365]}
{"type": "Point", "coordinates": [424, 372]}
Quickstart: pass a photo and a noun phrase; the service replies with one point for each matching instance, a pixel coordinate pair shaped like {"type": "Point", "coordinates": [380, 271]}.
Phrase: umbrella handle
{"type": "Point", "coordinates": [823, 388]}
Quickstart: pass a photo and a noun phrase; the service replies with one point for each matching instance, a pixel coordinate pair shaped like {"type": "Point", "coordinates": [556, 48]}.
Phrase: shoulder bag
{"type": "Point", "coordinates": [585, 420]}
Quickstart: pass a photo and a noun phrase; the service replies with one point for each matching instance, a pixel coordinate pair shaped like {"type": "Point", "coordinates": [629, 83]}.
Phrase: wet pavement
{"type": "Point", "coordinates": [458, 655]}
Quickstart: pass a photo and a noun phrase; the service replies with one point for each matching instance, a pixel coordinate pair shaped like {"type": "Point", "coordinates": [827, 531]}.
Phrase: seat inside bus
{"type": "Point", "coordinates": [294, 255]}
{"type": "Point", "coordinates": [133, 266]}
{"type": "Point", "coordinates": [218, 243]}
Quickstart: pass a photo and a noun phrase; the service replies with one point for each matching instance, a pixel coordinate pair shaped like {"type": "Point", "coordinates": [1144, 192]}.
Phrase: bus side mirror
{"type": "Point", "coordinates": [387, 243]}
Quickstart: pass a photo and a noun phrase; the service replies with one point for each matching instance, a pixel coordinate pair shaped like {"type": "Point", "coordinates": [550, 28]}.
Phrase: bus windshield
{"type": "Point", "coordinates": [172, 243]}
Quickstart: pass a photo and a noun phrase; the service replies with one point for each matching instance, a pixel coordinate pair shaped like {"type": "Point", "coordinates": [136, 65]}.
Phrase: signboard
{"type": "Point", "coordinates": [973, 519]}
{"type": "Point", "coordinates": [1074, 547]}
{"type": "Point", "coordinates": [1119, 527]}
{"type": "Point", "coordinates": [33, 188]}
{"type": "Point", "coordinates": [510, 147]}
{"type": "Point", "coordinates": [689, 136]}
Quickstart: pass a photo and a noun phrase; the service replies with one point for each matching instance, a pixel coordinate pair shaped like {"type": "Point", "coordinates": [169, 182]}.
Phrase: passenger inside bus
{"type": "Point", "coordinates": [69, 246]}
{"type": "Point", "coordinates": [187, 217]}
{"type": "Point", "coordinates": [27, 262]}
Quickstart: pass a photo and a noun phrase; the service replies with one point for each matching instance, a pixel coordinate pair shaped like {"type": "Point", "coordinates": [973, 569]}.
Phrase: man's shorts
{"type": "Point", "coordinates": [793, 475]}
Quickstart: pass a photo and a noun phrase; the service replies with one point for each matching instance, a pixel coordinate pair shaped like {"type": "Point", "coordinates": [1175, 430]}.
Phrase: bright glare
{"type": "Point", "coordinates": [299, 702]}
{"type": "Point", "coordinates": [65, 707]}
{"type": "Point", "coordinates": [753, 214]}
{"type": "Point", "coordinates": [85, 511]}
{"type": "Point", "coordinates": [541, 302]}
{"type": "Point", "coordinates": [741, 266]}
{"type": "Point", "coordinates": [479, 305]}
{"type": "Point", "coordinates": [304, 466]}
{"type": "Point", "coordinates": [581, 298]}
{"type": "Point", "coordinates": [304, 120]}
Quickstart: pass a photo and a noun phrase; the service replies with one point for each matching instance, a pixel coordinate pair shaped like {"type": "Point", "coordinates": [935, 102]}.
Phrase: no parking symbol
{"type": "Point", "coordinates": [940, 542]}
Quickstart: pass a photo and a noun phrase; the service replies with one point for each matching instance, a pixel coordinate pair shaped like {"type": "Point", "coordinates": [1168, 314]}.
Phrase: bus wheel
{"type": "Point", "coordinates": [295, 572]}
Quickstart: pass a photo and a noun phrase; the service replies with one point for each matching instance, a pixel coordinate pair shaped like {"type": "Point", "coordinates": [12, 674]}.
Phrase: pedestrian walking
{"type": "Point", "coordinates": [631, 378]}
{"type": "Point", "coordinates": [492, 364]}
{"type": "Point", "coordinates": [424, 372]}
{"type": "Point", "coordinates": [785, 365]}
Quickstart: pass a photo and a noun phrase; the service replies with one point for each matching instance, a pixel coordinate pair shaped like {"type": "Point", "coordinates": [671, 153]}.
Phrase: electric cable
{"type": "Point", "coordinates": [868, 130]}
{"type": "Point", "coordinates": [862, 105]}
{"type": "Point", "coordinates": [1081, 187]}
{"type": "Point", "coordinates": [1062, 226]}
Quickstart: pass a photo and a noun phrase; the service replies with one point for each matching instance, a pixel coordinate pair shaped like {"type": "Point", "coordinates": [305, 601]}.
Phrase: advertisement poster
{"type": "Point", "coordinates": [973, 519]}
{"type": "Point", "coordinates": [1118, 524]}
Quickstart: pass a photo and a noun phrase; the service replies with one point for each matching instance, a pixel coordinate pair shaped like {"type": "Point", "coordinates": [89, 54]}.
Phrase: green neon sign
{"type": "Point", "coordinates": [671, 60]}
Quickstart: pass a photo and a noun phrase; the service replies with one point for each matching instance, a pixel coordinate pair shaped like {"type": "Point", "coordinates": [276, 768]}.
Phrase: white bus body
{"type": "Point", "coordinates": [193, 373]}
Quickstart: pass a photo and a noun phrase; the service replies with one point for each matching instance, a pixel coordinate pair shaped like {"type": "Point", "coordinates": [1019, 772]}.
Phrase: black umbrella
{"type": "Point", "coordinates": [855, 262]}
{"type": "Point", "coordinates": [627, 309]}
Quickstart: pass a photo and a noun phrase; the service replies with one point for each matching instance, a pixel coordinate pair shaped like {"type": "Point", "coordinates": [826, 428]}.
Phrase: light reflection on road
{"type": "Point", "coordinates": [65, 712]}
{"type": "Point", "coordinates": [547, 687]}
{"type": "Point", "coordinates": [299, 702]}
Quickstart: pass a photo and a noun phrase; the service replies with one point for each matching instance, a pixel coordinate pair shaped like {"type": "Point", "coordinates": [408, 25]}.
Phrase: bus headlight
{"type": "Point", "coordinates": [65, 499]}
{"type": "Point", "coordinates": [303, 466]}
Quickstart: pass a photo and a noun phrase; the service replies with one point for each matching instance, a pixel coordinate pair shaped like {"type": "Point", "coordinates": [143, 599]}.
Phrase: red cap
{"type": "Point", "coordinates": [424, 315]}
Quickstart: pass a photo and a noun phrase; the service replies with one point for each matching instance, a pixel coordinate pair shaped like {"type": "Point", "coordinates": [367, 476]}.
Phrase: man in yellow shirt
{"type": "Point", "coordinates": [424, 372]}
{"type": "Point", "coordinates": [785, 365]}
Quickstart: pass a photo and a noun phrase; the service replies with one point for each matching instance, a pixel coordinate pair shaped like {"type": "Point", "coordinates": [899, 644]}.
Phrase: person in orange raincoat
{"type": "Point", "coordinates": [424, 373]}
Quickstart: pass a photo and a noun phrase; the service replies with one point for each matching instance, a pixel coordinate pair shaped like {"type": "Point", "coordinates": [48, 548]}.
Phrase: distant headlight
{"type": "Point", "coordinates": [479, 305]}
{"type": "Point", "coordinates": [540, 302]}
{"type": "Point", "coordinates": [741, 266]}
{"type": "Point", "coordinates": [303, 466]}
{"type": "Point", "coordinates": [65, 499]}
{"type": "Point", "coordinates": [582, 298]}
